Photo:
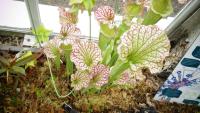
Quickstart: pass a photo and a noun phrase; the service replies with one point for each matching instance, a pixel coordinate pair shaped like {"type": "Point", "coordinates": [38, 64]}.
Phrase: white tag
{"type": "Point", "coordinates": [29, 40]}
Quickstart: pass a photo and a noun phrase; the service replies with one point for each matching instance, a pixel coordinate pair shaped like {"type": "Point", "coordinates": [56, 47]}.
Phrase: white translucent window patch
{"type": "Point", "coordinates": [14, 14]}
{"type": "Point", "coordinates": [50, 19]}
{"type": "Point", "coordinates": [164, 22]}
{"type": "Point", "coordinates": [83, 24]}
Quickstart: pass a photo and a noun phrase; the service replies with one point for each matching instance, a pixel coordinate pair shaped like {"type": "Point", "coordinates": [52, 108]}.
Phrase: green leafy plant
{"type": "Point", "coordinates": [41, 33]}
{"type": "Point", "coordinates": [151, 18]}
{"type": "Point", "coordinates": [162, 7]}
{"type": "Point", "coordinates": [87, 4]}
{"type": "Point", "coordinates": [121, 52]}
{"type": "Point", "coordinates": [158, 9]}
{"type": "Point", "coordinates": [135, 49]}
{"type": "Point", "coordinates": [16, 65]}
{"type": "Point", "coordinates": [132, 10]}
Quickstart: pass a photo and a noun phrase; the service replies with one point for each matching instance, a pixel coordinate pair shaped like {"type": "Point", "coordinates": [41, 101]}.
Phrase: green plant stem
{"type": "Point", "coordinates": [16, 83]}
{"type": "Point", "coordinates": [70, 66]}
{"type": "Point", "coordinates": [7, 74]}
{"type": "Point", "coordinates": [54, 84]}
{"type": "Point", "coordinates": [117, 70]}
{"type": "Point", "coordinates": [113, 58]}
{"type": "Point", "coordinates": [69, 63]}
{"type": "Point", "coordinates": [38, 40]}
{"type": "Point", "coordinates": [116, 6]}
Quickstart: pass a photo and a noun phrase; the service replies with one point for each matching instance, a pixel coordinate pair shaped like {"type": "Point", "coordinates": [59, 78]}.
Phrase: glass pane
{"type": "Point", "coordinates": [14, 14]}
{"type": "Point", "coordinates": [178, 5]}
{"type": "Point", "coordinates": [50, 18]}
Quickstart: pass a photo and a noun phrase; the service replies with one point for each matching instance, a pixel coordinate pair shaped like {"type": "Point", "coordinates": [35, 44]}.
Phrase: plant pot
{"type": "Point", "coordinates": [173, 93]}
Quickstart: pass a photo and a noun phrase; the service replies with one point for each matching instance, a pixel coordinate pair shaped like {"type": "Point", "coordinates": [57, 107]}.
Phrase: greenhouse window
{"type": "Point", "coordinates": [14, 14]}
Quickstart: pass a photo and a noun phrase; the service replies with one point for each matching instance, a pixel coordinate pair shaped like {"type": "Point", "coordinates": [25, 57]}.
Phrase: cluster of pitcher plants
{"type": "Point", "coordinates": [121, 51]}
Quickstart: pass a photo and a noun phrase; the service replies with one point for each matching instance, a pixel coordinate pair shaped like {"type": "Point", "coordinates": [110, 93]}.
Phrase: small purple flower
{"type": "Point", "coordinates": [180, 81]}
